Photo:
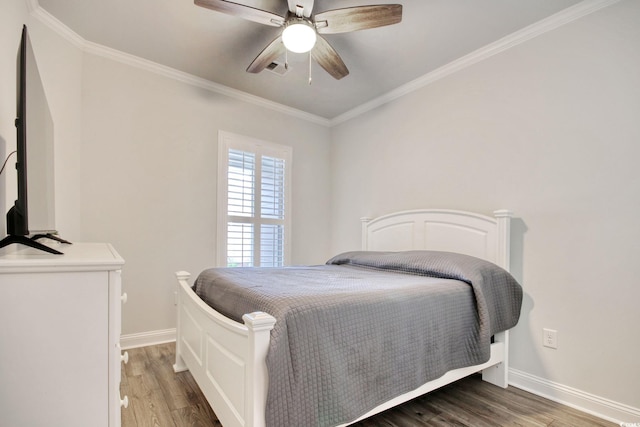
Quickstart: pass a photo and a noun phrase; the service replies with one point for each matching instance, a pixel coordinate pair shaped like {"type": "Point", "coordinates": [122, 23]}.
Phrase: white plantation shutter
{"type": "Point", "coordinates": [241, 183]}
{"type": "Point", "coordinates": [253, 205]}
{"type": "Point", "coordinates": [272, 189]}
{"type": "Point", "coordinates": [271, 245]}
{"type": "Point", "coordinates": [272, 206]}
{"type": "Point", "coordinates": [240, 238]}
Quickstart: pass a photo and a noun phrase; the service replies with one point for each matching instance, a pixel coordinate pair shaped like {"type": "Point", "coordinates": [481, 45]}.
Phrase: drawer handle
{"type": "Point", "coordinates": [124, 357]}
{"type": "Point", "coordinates": [124, 298]}
{"type": "Point", "coordinates": [124, 402]}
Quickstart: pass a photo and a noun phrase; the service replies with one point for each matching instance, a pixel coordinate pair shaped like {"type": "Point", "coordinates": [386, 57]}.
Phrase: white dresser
{"type": "Point", "coordinates": [60, 324]}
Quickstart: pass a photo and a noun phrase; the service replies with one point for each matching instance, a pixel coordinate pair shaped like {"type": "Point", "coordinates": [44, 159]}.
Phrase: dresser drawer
{"type": "Point", "coordinates": [60, 359]}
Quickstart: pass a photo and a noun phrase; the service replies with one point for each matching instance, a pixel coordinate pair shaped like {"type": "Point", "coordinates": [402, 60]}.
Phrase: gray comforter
{"type": "Point", "coordinates": [366, 327]}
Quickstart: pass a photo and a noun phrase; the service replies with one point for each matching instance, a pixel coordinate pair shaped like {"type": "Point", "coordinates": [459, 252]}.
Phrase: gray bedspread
{"type": "Point", "coordinates": [366, 327]}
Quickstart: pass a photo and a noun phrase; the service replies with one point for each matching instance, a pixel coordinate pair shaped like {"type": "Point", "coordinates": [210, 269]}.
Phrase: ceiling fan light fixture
{"type": "Point", "coordinates": [299, 36]}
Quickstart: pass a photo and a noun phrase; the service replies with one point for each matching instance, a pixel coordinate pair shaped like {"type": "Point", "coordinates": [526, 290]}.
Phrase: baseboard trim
{"type": "Point", "coordinates": [144, 339]}
{"type": "Point", "coordinates": [595, 405]}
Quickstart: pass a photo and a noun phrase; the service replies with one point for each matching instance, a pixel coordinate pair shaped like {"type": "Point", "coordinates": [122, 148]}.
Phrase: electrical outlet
{"type": "Point", "coordinates": [550, 338]}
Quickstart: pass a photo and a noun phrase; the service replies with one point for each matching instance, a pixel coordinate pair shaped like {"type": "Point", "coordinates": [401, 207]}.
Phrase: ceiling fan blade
{"type": "Point", "coordinates": [267, 56]}
{"type": "Point", "coordinates": [357, 18]}
{"type": "Point", "coordinates": [243, 11]}
{"type": "Point", "coordinates": [304, 7]}
{"type": "Point", "coordinates": [329, 59]}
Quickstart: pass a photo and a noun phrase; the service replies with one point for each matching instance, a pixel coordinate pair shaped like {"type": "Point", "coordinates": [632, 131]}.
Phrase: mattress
{"type": "Point", "coordinates": [365, 327]}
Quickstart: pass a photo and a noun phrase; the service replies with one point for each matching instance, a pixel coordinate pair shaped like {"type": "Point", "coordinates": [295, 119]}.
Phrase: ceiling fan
{"type": "Point", "coordinates": [302, 29]}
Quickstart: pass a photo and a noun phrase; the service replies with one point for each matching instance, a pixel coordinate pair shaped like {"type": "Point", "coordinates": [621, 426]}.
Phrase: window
{"type": "Point", "coordinates": [253, 202]}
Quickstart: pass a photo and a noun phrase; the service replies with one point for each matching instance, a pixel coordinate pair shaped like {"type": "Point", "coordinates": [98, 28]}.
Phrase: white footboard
{"type": "Point", "coordinates": [226, 358]}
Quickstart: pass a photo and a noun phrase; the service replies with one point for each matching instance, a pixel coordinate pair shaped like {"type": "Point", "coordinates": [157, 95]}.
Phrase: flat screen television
{"type": "Point", "coordinates": [32, 215]}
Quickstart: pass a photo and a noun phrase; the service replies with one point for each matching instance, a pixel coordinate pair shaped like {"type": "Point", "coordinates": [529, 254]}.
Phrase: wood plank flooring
{"type": "Point", "coordinates": [160, 398]}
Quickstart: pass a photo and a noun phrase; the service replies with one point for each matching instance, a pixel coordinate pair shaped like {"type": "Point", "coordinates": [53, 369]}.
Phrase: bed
{"type": "Point", "coordinates": [228, 358]}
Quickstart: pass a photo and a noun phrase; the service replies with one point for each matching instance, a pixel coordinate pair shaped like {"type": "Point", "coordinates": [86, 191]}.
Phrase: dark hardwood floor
{"type": "Point", "coordinates": [160, 398]}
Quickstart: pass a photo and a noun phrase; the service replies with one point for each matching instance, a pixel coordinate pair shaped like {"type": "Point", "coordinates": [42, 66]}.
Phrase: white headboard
{"type": "Point", "coordinates": [441, 230]}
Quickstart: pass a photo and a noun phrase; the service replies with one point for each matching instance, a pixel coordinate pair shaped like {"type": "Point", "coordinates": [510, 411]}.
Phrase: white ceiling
{"type": "Point", "coordinates": [219, 47]}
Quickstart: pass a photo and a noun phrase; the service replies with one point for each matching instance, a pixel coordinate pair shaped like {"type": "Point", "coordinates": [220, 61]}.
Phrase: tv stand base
{"type": "Point", "coordinates": [50, 236]}
{"type": "Point", "coordinates": [27, 242]}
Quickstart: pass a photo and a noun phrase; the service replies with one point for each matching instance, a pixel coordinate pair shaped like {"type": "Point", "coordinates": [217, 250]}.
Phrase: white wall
{"type": "Point", "coordinates": [549, 129]}
{"type": "Point", "coordinates": [149, 179]}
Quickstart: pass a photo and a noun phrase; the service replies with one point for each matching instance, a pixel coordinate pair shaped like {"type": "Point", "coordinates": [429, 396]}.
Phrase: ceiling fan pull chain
{"type": "Point", "coordinates": [309, 68]}
{"type": "Point", "coordinates": [286, 59]}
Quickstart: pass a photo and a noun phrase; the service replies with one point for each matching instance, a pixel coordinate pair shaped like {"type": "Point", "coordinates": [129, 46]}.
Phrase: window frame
{"type": "Point", "coordinates": [227, 141]}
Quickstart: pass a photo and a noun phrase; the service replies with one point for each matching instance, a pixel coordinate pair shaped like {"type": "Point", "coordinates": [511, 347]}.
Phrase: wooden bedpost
{"type": "Point", "coordinates": [179, 366]}
{"type": "Point", "coordinates": [503, 221]}
{"type": "Point", "coordinates": [499, 374]}
{"type": "Point", "coordinates": [257, 379]}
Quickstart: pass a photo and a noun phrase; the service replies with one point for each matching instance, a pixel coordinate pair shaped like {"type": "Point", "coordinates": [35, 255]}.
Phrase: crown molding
{"type": "Point", "coordinates": [54, 24]}
{"type": "Point", "coordinates": [559, 19]}
{"type": "Point", "coordinates": [99, 50]}
{"type": "Point", "coordinates": [181, 76]}
{"type": "Point", "coordinates": [32, 5]}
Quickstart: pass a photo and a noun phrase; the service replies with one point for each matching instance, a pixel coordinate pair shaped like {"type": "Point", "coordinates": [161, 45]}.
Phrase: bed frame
{"type": "Point", "coordinates": [227, 358]}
